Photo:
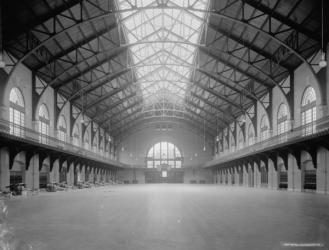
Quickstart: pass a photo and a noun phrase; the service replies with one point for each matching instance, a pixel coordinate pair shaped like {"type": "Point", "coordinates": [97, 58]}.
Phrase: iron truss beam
{"type": "Point", "coordinates": [288, 46]}
{"type": "Point", "coordinates": [249, 46]}
{"type": "Point", "coordinates": [76, 49]}
{"type": "Point", "coordinates": [164, 119]}
{"type": "Point", "coordinates": [270, 13]}
{"type": "Point", "coordinates": [157, 120]}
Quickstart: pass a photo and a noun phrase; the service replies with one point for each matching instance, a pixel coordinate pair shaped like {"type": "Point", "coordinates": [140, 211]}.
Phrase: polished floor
{"type": "Point", "coordinates": [164, 216]}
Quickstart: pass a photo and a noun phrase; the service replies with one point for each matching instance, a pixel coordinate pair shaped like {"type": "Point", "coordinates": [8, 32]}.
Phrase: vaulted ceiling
{"type": "Point", "coordinates": [127, 63]}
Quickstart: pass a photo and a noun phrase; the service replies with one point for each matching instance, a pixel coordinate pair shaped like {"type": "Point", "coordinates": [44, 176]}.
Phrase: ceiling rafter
{"type": "Point", "coordinates": [283, 19]}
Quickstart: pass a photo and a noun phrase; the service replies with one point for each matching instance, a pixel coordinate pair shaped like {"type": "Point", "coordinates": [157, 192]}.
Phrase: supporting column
{"type": "Point", "coordinates": [229, 177]}
{"type": "Point", "coordinates": [322, 176]}
{"type": "Point", "coordinates": [4, 169]}
{"type": "Point", "coordinates": [31, 178]}
{"type": "Point", "coordinates": [83, 173]}
{"type": "Point", "coordinates": [245, 175]}
{"type": "Point", "coordinates": [256, 175]}
{"type": "Point", "coordinates": [70, 173]}
{"type": "Point", "coordinates": [54, 174]}
{"type": "Point", "coordinates": [91, 174]}
{"type": "Point", "coordinates": [272, 175]}
{"type": "Point", "coordinates": [294, 174]}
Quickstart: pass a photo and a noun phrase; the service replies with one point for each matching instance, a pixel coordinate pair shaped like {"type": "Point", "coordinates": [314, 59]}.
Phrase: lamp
{"type": "Point", "coordinates": [2, 62]}
{"type": "Point", "coordinates": [322, 62]}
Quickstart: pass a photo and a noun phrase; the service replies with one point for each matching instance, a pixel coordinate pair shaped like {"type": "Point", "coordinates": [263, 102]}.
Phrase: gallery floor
{"type": "Point", "coordinates": [171, 216]}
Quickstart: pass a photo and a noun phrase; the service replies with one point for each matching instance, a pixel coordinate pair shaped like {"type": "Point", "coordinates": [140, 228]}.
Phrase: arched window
{"type": "Point", "coordinates": [76, 135]}
{"type": "Point", "coordinates": [86, 140]}
{"type": "Point", "coordinates": [232, 141]}
{"type": "Point", "coordinates": [107, 147]}
{"type": "Point", "coordinates": [251, 135]}
{"type": "Point", "coordinates": [44, 123]}
{"type": "Point", "coordinates": [240, 139]}
{"type": "Point", "coordinates": [225, 142]}
{"type": "Point", "coordinates": [308, 110]}
{"type": "Point", "coordinates": [101, 145]}
{"type": "Point", "coordinates": [282, 119]}
{"type": "Point", "coordinates": [95, 143]}
{"type": "Point", "coordinates": [62, 129]}
{"type": "Point", "coordinates": [164, 153]}
{"type": "Point", "coordinates": [264, 128]}
{"type": "Point", "coordinates": [16, 112]}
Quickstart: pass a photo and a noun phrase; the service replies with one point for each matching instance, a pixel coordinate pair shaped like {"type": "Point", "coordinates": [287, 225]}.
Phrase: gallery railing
{"type": "Point", "coordinates": [31, 135]}
{"type": "Point", "coordinates": [302, 132]}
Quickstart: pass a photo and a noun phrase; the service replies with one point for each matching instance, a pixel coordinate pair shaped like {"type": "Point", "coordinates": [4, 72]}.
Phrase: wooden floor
{"type": "Point", "coordinates": [171, 216]}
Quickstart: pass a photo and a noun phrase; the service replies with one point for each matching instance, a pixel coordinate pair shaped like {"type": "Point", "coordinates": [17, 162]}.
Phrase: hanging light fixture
{"type": "Point", "coordinates": [323, 62]}
{"type": "Point", "coordinates": [204, 134]}
{"type": "Point", "coordinates": [2, 62]}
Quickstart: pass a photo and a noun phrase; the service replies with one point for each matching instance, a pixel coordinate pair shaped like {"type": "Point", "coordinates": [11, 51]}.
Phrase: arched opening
{"type": "Point", "coordinates": [62, 129]}
{"type": "Point", "coordinates": [164, 162]}
{"type": "Point", "coordinates": [282, 119]}
{"type": "Point", "coordinates": [86, 140]}
{"type": "Point", "coordinates": [308, 172]}
{"type": "Point", "coordinates": [264, 128]}
{"type": "Point", "coordinates": [95, 143]}
{"type": "Point", "coordinates": [263, 175]}
{"type": "Point", "coordinates": [76, 135]}
{"type": "Point", "coordinates": [164, 153]}
{"type": "Point", "coordinates": [44, 175]}
{"type": "Point", "coordinates": [16, 112]}
{"type": "Point", "coordinates": [308, 111]}
{"type": "Point", "coordinates": [18, 169]}
{"type": "Point", "coordinates": [283, 176]}
{"type": "Point", "coordinates": [240, 139]}
{"type": "Point", "coordinates": [63, 174]}
{"type": "Point", "coordinates": [232, 142]}
{"type": "Point", "coordinates": [251, 135]}
{"type": "Point", "coordinates": [44, 122]}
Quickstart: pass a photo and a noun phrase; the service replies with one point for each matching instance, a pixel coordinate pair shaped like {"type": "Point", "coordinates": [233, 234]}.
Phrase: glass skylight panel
{"type": "Point", "coordinates": [162, 43]}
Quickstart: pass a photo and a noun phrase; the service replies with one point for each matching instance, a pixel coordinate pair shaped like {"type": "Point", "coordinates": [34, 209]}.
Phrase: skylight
{"type": "Point", "coordinates": [162, 47]}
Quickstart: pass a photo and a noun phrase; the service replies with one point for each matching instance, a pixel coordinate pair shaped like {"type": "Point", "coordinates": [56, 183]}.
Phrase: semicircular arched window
{"type": "Point", "coordinates": [62, 129]}
{"type": "Point", "coordinates": [240, 139]}
{"type": "Point", "coordinates": [282, 119]}
{"type": "Point", "coordinates": [251, 135]}
{"type": "Point", "coordinates": [164, 153]}
{"type": "Point", "coordinates": [86, 140]}
{"type": "Point", "coordinates": [16, 112]}
{"type": "Point", "coordinates": [44, 123]}
{"type": "Point", "coordinates": [308, 109]}
{"type": "Point", "coordinates": [264, 128]}
{"type": "Point", "coordinates": [76, 135]}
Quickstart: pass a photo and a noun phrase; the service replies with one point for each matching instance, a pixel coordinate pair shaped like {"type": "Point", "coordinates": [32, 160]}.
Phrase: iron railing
{"type": "Point", "coordinates": [20, 132]}
{"type": "Point", "coordinates": [301, 133]}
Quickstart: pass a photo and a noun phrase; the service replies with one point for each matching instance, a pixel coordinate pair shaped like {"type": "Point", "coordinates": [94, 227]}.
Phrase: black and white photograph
{"type": "Point", "coordinates": [164, 125]}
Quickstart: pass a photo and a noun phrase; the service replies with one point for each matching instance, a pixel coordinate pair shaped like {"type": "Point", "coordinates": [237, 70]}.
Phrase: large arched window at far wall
{"type": "Point", "coordinates": [164, 153]}
{"type": "Point", "coordinates": [308, 111]}
{"type": "Point", "coordinates": [16, 112]}
{"type": "Point", "coordinates": [44, 122]}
